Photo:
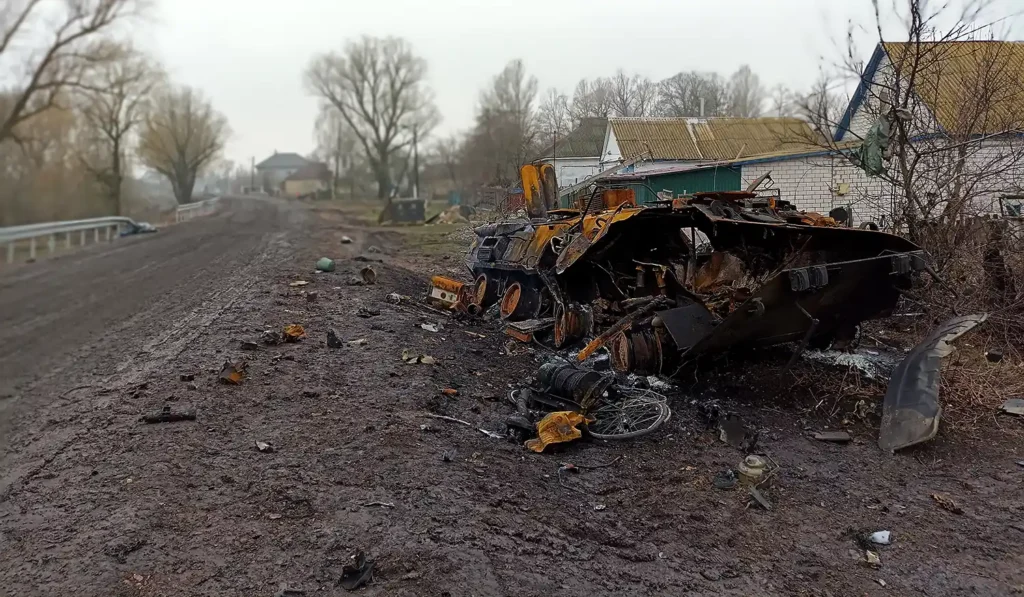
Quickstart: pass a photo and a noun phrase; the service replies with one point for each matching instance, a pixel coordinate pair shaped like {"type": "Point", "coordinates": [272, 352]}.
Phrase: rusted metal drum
{"type": "Point", "coordinates": [636, 351]}
{"type": "Point", "coordinates": [571, 323]}
{"type": "Point", "coordinates": [579, 385]}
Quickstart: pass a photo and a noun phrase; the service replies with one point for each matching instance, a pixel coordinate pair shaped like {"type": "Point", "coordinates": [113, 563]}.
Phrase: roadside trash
{"type": "Point", "coordinates": [946, 503]}
{"type": "Point", "coordinates": [325, 264]}
{"type": "Point", "coordinates": [232, 373]}
{"type": "Point", "coordinates": [725, 479]}
{"type": "Point", "coordinates": [294, 332]}
{"type": "Point", "coordinates": [759, 499]}
{"type": "Point", "coordinates": [354, 281]}
{"type": "Point", "coordinates": [368, 275]}
{"type": "Point", "coordinates": [880, 537]}
{"type": "Point", "coordinates": [1013, 406]}
{"type": "Point", "coordinates": [271, 337]}
{"type": "Point", "coordinates": [298, 283]}
{"type": "Point", "coordinates": [411, 358]}
{"type": "Point", "coordinates": [836, 437]}
{"type": "Point", "coordinates": [373, 249]}
{"type": "Point", "coordinates": [381, 504]}
{"type": "Point", "coordinates": [881, 583]}
{"type": "Point", "coordinates": [599, 507]}
{"type": "Point", "coordinates": [490, 434]}
{"type": "Point", "coordinates": [286, 592]}
{"type": "Point", "coordinates": [248, 345]}
{"type": "Point", "coordinates": [556, 428]}
{"type": "Point", "coordinates": [871, 559]}
{"type": "Point", "coordinates": [432, 327]}
{"type": "Point", "coordinates": [333, 341]}
{"type": "Point", "coordinates": [367, 312]}
{"type": "Point", "coordinates": [357, 572]}
{"type": "Point", "coordinates": [166, 415]}
{"type": "Point", "coordinates": [312, 296]}
{"type": "Point", "coordinates": [394, 298]}
{"type": "Point", "coordinates": [732, 431]}
{"type": "Point", "coordinates": [187, 377]}
{"type": "Point", "coordinates": [751, 470]}
{"type": "Point", "coordinates": [994, 356]}
{"type": "Point", "coordinates": [450, 392]}
{"type": "Point", "coordinates": [346, 240]}
{"type": "Point", "coordinates": [264, 447]}
{"type": "Point", "coordinates": [359, 342]}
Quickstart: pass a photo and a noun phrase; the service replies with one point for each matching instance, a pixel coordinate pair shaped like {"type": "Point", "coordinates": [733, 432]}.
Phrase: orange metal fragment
{"type": "Point", "coordinates": [555, 428]}
{"type": "Point", "coordinates": [294, 332]}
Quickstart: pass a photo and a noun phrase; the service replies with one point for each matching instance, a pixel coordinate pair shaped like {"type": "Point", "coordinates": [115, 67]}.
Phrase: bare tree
{"type": "Point", "coordinates": [783, 101]}
{"type": "Point", "coordinates": [113, 105]}
{"type": "Point", "coordinates": [823, 106]}
{"type": "Point", "coordinates": [447, 151]}
{"type": "Point", "coordinates": [181, 136]}
{"type": "Point", "coordinates": [379, 87]}
{"type": "Point", "coordinates": [506, 127]}
{"type": "Point", "coordinates": [746, 96]}
{"type": "Point", "coordinates": [692, 94]}
{"type": "Point", "coordinates": [335, 144]}
{"type": "Point", "coordinates": [44, 70]}
{"type": "Point", "coordinates": [591, 99]}
{"type": "Point", "coordinates": [631, 95]}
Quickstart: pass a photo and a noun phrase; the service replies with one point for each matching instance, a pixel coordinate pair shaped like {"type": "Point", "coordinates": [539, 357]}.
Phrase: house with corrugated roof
{"type": "Point", "coordinates": [578, 154]}
{"type": "Point", "coordinates": [967, 96]}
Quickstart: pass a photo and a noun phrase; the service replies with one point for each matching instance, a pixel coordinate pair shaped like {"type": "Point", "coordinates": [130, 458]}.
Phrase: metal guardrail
{"type": "Point", "coordinates": [67, 231]}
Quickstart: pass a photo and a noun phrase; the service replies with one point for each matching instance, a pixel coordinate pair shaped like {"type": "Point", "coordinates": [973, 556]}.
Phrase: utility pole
{"type": "Point", "coordinates": [252, 175]}
{"type": "Point", "coordinates": [415, 165]}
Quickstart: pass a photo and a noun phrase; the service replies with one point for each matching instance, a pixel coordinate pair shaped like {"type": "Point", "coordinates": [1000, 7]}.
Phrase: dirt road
{"type": "Point", "coordinates": [94, 502]}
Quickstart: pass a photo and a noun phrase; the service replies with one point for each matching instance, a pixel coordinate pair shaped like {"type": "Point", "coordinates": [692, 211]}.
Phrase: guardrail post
{"type": "Point", "coordinates": [95, 236]}
{"type": "Point", "coordinates": [51, 243]}
{"type": "Point", "coordinates": [10, 252]}
{"type": "Point", "coordinates": [107, 232]}
{"type": "Point", "coordinates": [32, 248]}
{"type": "Point", "coordinates": [67, 240]}
{"type": "Point", "coordinates": [82, 239]}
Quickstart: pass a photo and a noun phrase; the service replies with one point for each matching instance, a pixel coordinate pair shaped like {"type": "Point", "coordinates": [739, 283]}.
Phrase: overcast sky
{"type": "Point", "coordinates": [248, 56]}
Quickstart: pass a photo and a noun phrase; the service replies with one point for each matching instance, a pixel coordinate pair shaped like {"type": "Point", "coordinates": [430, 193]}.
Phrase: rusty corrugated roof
{"type": "Point", "coordinates": [972, 87]}
{"type": "Point", "coordinates": [708, 138]}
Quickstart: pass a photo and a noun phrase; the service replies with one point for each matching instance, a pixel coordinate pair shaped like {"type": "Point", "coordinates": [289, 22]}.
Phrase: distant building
{"type": "Point", "coordinates": [578, 155]}
{"type": "Point", "coordinates": [273, 171]}
{"type": "Point", "coordinates": [312, 178]}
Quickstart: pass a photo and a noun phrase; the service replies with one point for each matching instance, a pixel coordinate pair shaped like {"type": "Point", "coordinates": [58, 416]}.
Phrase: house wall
{"type": "Point", "coordinates": [569, 171]}
{"type": "Point", "coordinates": [272, 178]}
{"type": "Point", "coordinates": [296, 188]}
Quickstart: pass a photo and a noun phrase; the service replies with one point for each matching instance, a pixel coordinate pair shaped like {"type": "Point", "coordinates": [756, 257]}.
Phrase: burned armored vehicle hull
{"type": "Point", "coordinates": [662, 285]}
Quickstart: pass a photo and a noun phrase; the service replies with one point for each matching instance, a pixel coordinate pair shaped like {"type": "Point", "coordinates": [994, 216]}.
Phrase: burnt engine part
{"type": "Point", "coordinates": [579, 385]}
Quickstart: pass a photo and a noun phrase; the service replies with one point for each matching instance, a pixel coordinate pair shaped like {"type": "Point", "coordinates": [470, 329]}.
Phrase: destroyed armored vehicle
{"type": "Point", "coordinates": [664, 283]}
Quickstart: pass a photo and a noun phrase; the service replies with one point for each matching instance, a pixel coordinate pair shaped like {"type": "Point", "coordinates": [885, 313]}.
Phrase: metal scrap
{"type": "Point", "coordinates": [166, 415]}
{"type": "Point", "coordinates": [294, 332]}
{"type": "Point", "coordinates": [233, 373]}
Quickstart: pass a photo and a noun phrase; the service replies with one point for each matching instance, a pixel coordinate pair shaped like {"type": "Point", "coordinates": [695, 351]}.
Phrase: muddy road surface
{"type": "Point", "coordinates": [95, 502]}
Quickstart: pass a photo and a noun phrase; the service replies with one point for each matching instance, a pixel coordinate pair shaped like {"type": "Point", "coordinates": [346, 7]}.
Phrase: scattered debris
{"type": "Point", "coordinates": [947, 503]}
{"type": "Point", "coordinates": [368, 275]}
{"type": "Point", "coordinates": [759, 499]}
{"type": "Point", "coordinates": [325, 264]}
{"type": "Point", "coordinates": [732, 431]}
{"type": "Point", "coordinates": [453, 295]}
{"type": "Point", "coordinates": [357, 572]}
{"type": "Point", "coordinates": [599, 507]}
{"type": "Point", "coordinates": [298, 283]}
{"type": "Point", "coordinates": [359, 342]}
{"type": "Point", "coordinates": [373, 249]}
{"type": "Point", "coordinates": [394, 298]}
{"type": "Point", "coordinates": [871, 559]}
{"type": "Point", "coordinates": [994, 355]}
{"type": "Point", "coordinates": [450, 392]}
{"type": "Point", "coordinates": [166, 415]}
{"type": "Point", "coordinates": [751, 470]}
{"type": "Point", "coordinates": [333, 341]}
{"type": "Point", "coordinates": [725, 479]}
{"type": "Point", "coordinates": [287, 592]}
{"type": "Point", "coordinates": [367, 312]}
{"type": "Point", "coordinates": [490, 434]}
{"type": "Point", "coordinates": [411, 358]}
{"type": "Point", "coordinates": [264, 447]}
{"type": "Point", "coordinates": [880, 537]}
{"type": "Point", "coordinates": [233, 373]}
{"type": "Point", "coordinates": [311, 296]}
{"type": "Point", "coordinates": [271, 337]}
{"type": "Point", "coordinates": [346, 240]}
{"type": "Point", "coordinates": [186, 377]}
{"type": "Point", "coordinates": [555, 428]}
{"type": "Point", "coordinates": [1013, 406]}
{"type": "Point", "coordinates": [381, 504]}
{"type": "Point", "coordinates": [911, 410]}
{"type": "Point", "coordinates": [432, 327]}
{"type": "Point", "coordinates": [836, 437]}
{"type": "Point", "coordinates": [248, 345]}
{"type": "Point", "coordinates": [294, 332]}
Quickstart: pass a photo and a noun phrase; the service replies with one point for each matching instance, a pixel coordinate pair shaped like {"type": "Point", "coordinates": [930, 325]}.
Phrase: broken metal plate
{"type": "Point", "coordinates": [1013, 406]}
{"type": "Point", "coordinates": [911, 410]}
{"type": "Point", "coordinates": [687, 324]}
